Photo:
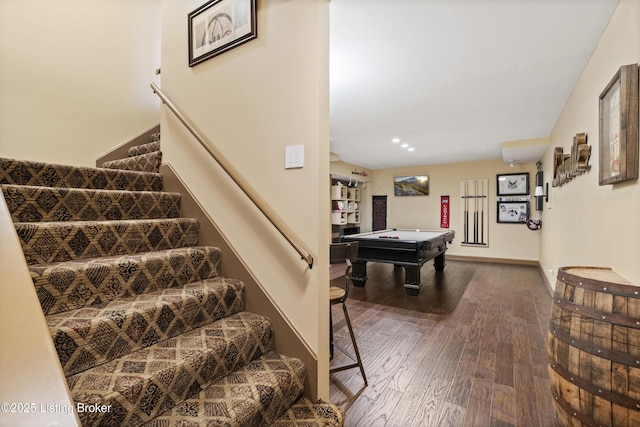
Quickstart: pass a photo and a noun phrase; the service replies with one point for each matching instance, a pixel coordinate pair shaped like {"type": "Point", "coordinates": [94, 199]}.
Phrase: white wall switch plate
{"type": "Point", "coordinates": [293, 156]}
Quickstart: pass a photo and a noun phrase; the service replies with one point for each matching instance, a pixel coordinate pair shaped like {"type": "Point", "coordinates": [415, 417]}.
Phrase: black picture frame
{"type": "Point", "coordinates": [512, 184]}
{"type": "Point", "coordinates": [219, 26]}
{"type": "Point", "coordinates": [512, 212]}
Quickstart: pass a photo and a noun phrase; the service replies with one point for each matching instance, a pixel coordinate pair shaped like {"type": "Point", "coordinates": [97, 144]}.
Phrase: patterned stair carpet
{"type": "Point", "coordinates": [144, 325]}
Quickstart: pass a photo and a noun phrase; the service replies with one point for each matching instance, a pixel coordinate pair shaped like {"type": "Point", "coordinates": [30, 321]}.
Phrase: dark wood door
{"type": "Point", "coordinates": [379, 212]}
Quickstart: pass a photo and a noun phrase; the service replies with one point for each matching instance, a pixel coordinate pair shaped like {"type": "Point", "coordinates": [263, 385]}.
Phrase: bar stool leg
{"type": "Point", "coordinates": [353, 340]}
{"type": "Point", "coordinates": [330, 333]}
{"type": "Point", "coordinates": [355, 348]}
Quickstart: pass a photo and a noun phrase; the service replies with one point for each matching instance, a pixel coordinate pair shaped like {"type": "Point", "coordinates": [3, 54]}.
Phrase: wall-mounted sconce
{"type": "Point", "coordinates": [540, 192]}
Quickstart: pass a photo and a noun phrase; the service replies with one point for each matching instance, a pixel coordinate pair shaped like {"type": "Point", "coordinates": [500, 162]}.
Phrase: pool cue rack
{"type": "Point", "coordinates": [474, 210]}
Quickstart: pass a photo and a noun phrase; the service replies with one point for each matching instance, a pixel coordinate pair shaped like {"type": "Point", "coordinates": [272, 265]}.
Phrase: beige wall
{"type": "Point", "coordinates": [74, 79]}
{"type": "Point", "coordinates": [30, 370]}
{"type": "Point", "coordinates": [584, 223]}
{"type": "Point", "coordinates": [252, 102]}
{"type": "Point", "coordinates": [506, 241]}
{"type": "Point", "coordinates": [74, 76]}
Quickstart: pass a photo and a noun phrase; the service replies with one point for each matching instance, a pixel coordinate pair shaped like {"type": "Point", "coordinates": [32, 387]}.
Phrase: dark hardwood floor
{"type": "Point", "coordinates": [474, 358]}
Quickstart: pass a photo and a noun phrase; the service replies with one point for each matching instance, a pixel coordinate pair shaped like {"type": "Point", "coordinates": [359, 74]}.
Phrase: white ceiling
{"type": "Point", "coordinates": [454, 79]}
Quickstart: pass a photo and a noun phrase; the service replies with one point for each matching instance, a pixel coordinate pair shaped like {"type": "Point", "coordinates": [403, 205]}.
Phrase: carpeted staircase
{"type": "Point", "coordinates": [146, 330]}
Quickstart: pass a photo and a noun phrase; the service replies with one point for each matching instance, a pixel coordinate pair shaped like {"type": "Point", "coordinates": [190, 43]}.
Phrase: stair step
{"type": "Point", "coordinates": [141, 385]}
{"type": "Point", "coordinates": [22, 172]}
{"type": "Point", "coordinates": [47, 242]}
{"type": "Point", "coordinates": [42, 204]}
{"type": "Point", "coordinates": [89, 337]}
{"type": "Point", "coordinates": [69, 285]}
{"type": "Point", "coordinates": [305, 413]}
{"type": "Point", "coordinates": [149, 147]}
{"type": "Point", "coordinates": [148, 162]}
{"type": "Point", "coordinates": [255, 395]}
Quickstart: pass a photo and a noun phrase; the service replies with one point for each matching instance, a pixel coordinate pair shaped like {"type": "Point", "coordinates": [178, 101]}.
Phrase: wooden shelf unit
{"type": "Point", "coordinates": [346, 206]}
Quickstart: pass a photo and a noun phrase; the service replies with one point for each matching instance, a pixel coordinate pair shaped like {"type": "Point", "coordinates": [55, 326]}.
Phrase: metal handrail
{"type": "Point", "coordinates": [244, 185]}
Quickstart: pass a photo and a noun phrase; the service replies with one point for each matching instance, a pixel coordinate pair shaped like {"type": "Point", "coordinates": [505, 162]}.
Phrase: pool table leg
{"type": "Point", "coordinates": [359, 274]}
{"type": "Point", "coordinates": [412, 280]}
{"type": "Point", "coordinates": [438, 262]}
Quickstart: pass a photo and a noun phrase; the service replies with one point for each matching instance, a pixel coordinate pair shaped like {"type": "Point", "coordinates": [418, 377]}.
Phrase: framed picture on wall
{"type": "Point", "coordinates": [220, 25]}
{"type": "Point", "coordinates": [417, 185]}
{"type": "Point", "coordinates": [513, 212]}
{"type": "Point", "coordinates": [513, 184]}
{"type": "Point", "coordinates": [619, 127]}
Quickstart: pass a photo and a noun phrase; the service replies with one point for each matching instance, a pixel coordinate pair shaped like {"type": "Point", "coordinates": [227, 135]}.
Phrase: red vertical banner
{"type": "Point", "coordinates": [444, 211]}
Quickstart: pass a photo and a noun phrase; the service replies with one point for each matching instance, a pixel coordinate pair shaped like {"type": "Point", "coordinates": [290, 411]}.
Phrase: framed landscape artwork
{"type": "Point", "coordinates": [417, 185]}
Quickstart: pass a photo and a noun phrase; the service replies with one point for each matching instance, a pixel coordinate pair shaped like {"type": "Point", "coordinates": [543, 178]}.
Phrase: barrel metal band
{"type": "Point", "coordinates": [611, 396]}
{"type": "Point", "coordinates": [596, 314]}
{"type": "Point", "coordinates": [605, 353]}
{"type": "Point", "coordinates": [599, 285]}
{"type": "Point", "coordinates": [584, 419]}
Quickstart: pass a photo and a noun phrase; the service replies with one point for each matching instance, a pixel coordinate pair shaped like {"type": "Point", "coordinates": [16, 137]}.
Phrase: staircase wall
{"type": "Point", "coordinates": [252, 102]}
{"type": "Point", "coordinates": [286, 340]}
{"type": "Point", "coordinates": [75, 77]}
{"type": "Point", "coordinates": [26, 345]}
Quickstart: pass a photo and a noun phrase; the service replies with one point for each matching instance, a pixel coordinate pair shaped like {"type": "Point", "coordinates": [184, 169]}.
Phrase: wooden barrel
{"type": "Point", "coordinates": [593, 348]}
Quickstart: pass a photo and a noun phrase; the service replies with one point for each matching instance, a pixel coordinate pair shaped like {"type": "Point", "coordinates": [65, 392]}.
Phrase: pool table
{"type": "Point", "coordinates": [405, 248]}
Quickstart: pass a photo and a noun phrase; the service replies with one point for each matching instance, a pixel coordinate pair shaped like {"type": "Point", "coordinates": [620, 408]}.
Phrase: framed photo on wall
{"type": "Point", "coordinates": [220, 25]}
{"type": "Point", "coordinates": [513, 184]}
{"type": "Point", "coordinates": [513, 212]}
{"type": "Point", "coordinates": [619, 127]}
{"type": "Point", "coordinates": [417, 185]}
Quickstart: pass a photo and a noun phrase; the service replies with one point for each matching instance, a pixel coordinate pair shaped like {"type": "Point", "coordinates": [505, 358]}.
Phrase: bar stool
{"type": "Point", "coordinates": [341, 253]}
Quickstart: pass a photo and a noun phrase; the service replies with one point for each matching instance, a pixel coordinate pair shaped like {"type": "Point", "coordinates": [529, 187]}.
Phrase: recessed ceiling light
{"type": "Point", "coordinates": [395, 140]}
{"type": "Point", "coordinates": [411, 149]}
{"type": "Point", "coordinates": [405, 145]}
